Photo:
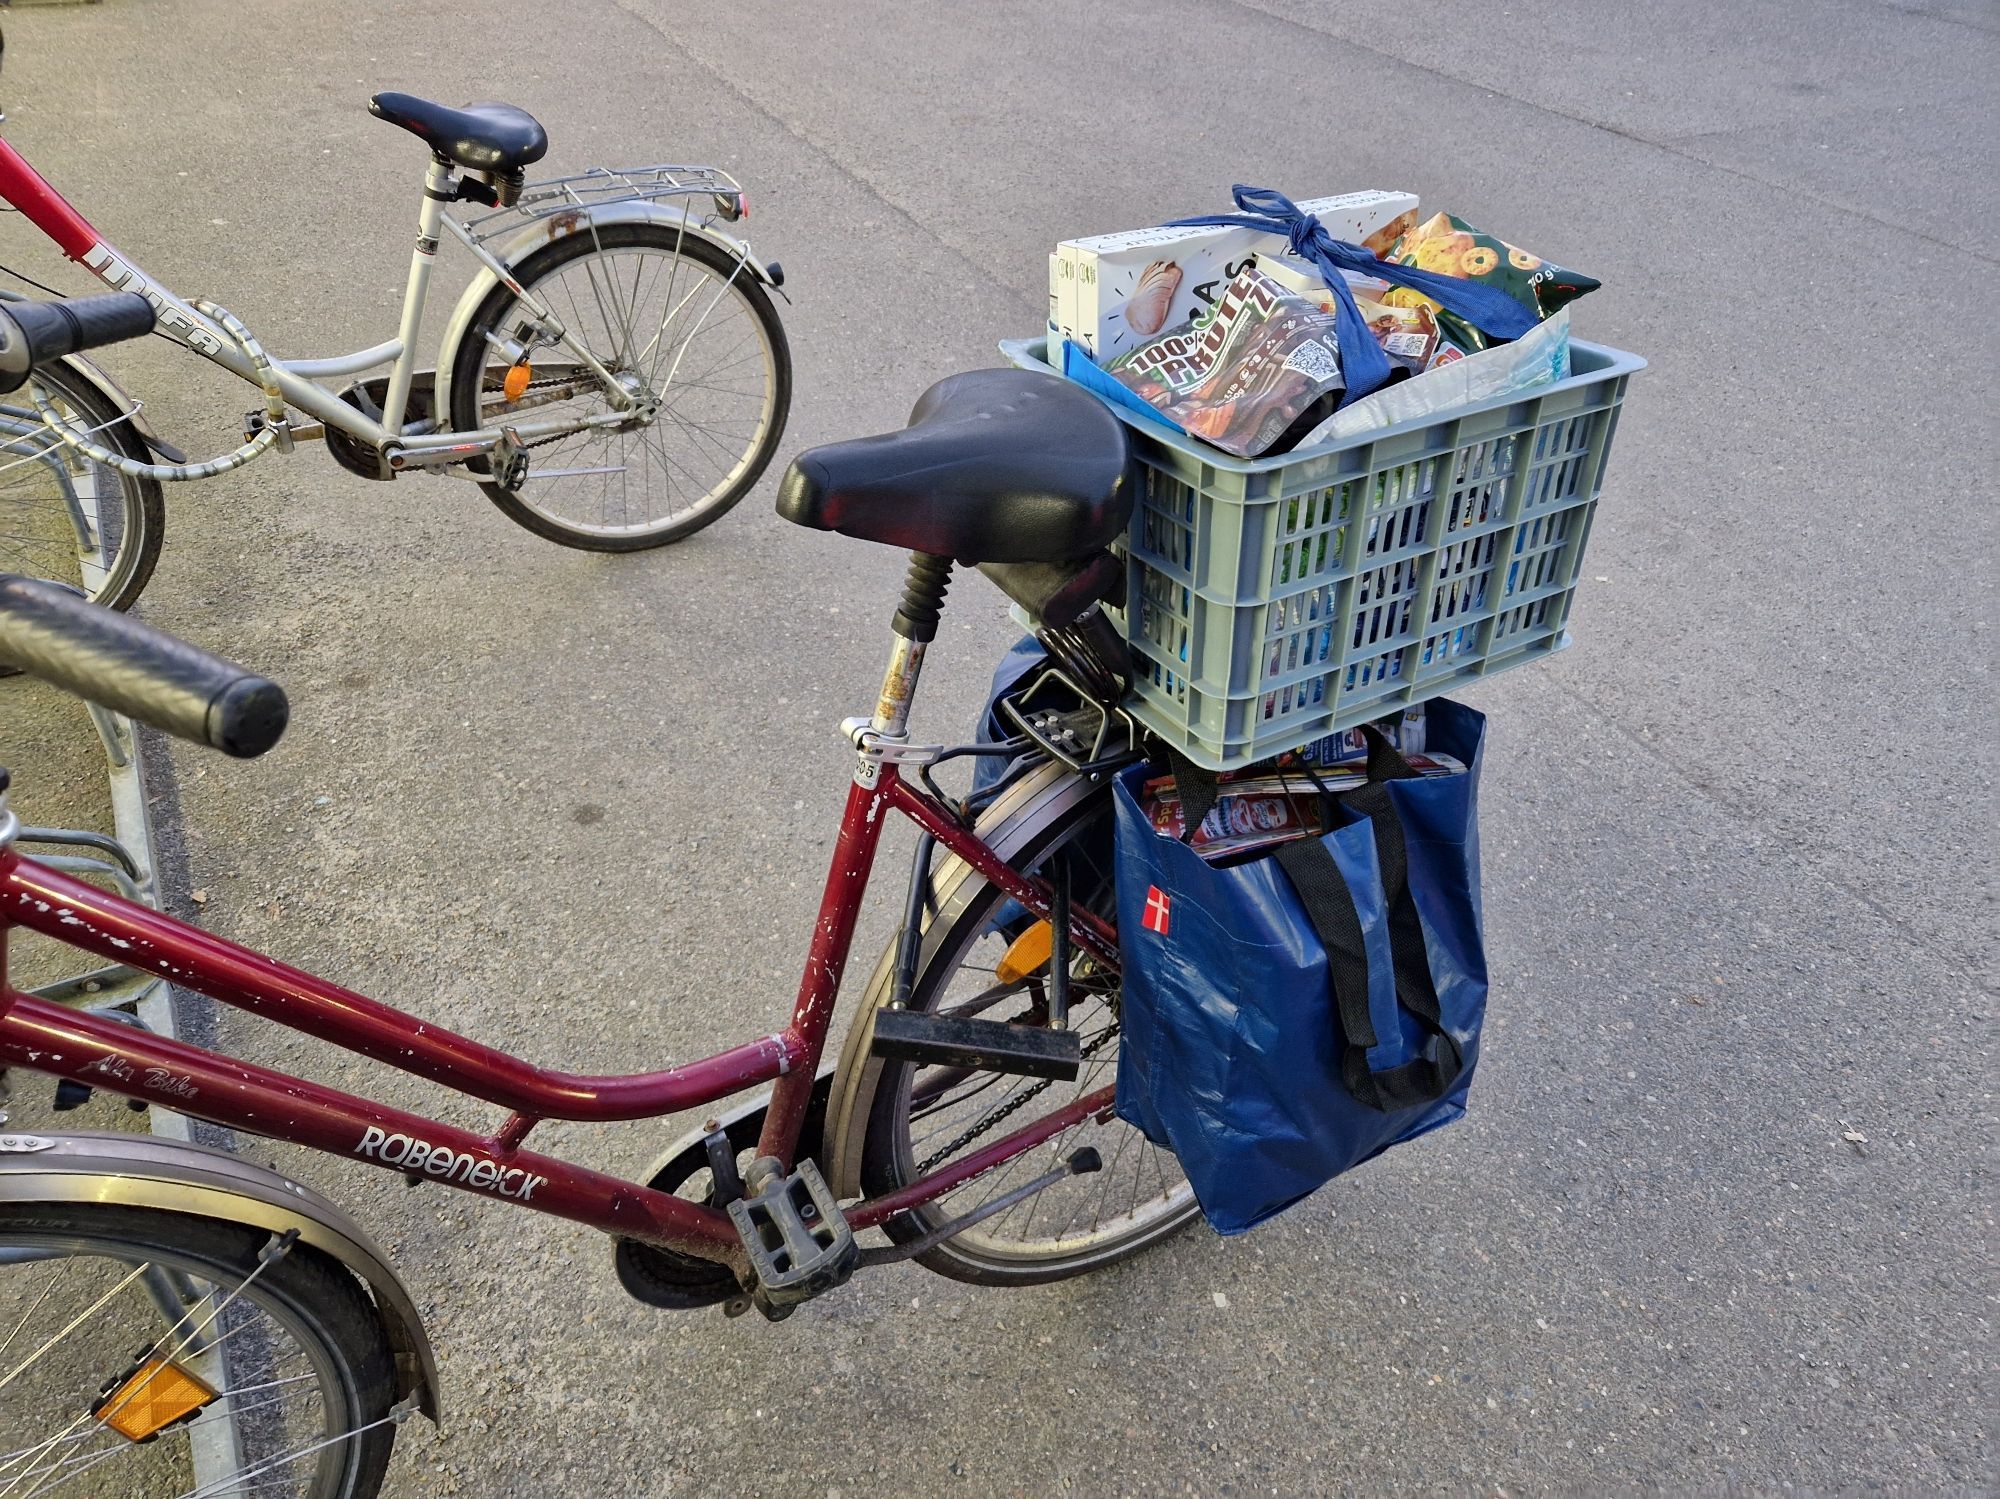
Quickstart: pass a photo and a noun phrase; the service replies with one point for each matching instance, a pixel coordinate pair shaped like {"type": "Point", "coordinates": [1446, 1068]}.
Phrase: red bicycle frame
{"type": "Point", "coordinates": [50, 1038]}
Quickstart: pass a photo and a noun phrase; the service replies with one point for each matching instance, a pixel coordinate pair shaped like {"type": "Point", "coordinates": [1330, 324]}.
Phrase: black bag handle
{"type": "Point", "coordinates": [1329, 905]}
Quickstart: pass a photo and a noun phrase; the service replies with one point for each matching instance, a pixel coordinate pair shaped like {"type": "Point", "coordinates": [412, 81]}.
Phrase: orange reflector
{"type": "Point", "coordinates": [516, 383]}
{"type": "Point", "coordinates": [1029, 954]}
{"type": "Point", "coordinates": [151, 1398]}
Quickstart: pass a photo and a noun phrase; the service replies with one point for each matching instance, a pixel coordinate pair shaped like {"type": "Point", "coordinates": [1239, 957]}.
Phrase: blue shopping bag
{"type": "Point", "coordinates": [1286, 1019]}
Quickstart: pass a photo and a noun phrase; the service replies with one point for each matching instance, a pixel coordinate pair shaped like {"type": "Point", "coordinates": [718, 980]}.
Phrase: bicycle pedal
{"type": "Point", "coordinates": [509, 460]}
{"type": "Point", "coordinates": [982, 1045]}
{"type": "Point", "coordinates": [797, 1239]}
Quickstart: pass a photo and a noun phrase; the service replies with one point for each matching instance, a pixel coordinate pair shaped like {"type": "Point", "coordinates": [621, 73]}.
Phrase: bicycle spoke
{"type": "Point", "coordinates": [650, 316]}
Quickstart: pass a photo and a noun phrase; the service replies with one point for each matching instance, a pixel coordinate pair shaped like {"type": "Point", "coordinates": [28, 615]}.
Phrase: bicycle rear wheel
{"type": "Point", "coordinates": [148, 1352]}
{"type": "Point", "coordinates": [680, 325]}
{"type": "Point", "coordinates": [921, 1118]}
{"type": "Point", "coordinates": [69, 518]}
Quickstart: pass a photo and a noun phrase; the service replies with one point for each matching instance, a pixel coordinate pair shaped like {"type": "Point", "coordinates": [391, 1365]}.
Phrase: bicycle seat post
{"type": "Point", "coordinates": [915, 625]}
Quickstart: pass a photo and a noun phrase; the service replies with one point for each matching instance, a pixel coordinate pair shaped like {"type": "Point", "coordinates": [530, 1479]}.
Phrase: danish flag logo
{"type": "Point", "coordinates": [1159, 910]}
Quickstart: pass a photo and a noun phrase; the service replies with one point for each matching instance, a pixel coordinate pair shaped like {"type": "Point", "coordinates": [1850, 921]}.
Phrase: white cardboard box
{"type": "Point", "coordinates": [1129, 287]}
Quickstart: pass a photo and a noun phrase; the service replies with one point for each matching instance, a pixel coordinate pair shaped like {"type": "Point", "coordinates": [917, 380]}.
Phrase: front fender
{"type": "Point", "coordinates": [142, 1171]}
{"type": "Point", "coordinates": [540, 232]}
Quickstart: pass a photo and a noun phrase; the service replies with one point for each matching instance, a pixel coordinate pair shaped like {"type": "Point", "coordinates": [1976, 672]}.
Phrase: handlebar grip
{"type": "Point", "coordinates": [38, 333]}
{"type": "Point", "coordinates": [136, 670]}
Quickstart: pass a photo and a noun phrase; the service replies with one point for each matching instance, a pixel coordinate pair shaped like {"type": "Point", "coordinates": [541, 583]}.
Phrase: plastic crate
{"type": "Point", "coordinates": [1271, 601]}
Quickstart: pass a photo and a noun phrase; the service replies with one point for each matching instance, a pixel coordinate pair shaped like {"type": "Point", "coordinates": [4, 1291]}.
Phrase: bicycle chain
{"type": "Point", "coordinates": [542, 442]}
{"type": "Point", "coordinates": [981, 1126]}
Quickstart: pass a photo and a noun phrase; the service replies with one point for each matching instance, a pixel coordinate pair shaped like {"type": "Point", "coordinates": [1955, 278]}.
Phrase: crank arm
{"type": "Point", "coordinates": [1081, 1163]}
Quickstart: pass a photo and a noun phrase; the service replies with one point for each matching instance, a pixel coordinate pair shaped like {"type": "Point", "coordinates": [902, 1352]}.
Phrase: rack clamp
{"type": "Point", "coordinates": [872, 742]}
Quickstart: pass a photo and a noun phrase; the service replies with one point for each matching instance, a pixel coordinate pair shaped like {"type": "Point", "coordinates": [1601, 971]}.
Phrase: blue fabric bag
{"type": "Point", "coordinates": [1285, 1019]}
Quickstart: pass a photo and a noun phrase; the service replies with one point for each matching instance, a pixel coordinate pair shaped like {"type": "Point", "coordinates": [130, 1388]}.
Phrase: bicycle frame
{"type": "Point", "coordinates": [26, 190]}
{"type": "Point", "coordinates": [47, 1038]}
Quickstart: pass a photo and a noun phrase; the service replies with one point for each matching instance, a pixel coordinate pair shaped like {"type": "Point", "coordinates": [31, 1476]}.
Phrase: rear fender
{"type": "Point", "coordinates": [541, 232]}
{"type": "Point", "coordinates": [142, 1171]}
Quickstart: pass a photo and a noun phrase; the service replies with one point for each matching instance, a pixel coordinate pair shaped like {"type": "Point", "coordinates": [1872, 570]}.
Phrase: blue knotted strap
{"type": "Point", "coordinates": [1362, 362]}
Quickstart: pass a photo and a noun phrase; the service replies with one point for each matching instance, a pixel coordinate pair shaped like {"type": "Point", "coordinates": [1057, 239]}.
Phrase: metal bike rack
{"type": "Point", "coordinates": [125, 857]}
{"type": "Point", "coordinates": [601, 186]}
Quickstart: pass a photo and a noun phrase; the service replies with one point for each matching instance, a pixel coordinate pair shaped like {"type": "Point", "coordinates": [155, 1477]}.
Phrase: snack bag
{"type": "Point", "coordinates": [1448, 245]}
{"type": "Point", "coordinates": [1410, 336]}
{"type": "Point", "coordinates": [1263, 366]}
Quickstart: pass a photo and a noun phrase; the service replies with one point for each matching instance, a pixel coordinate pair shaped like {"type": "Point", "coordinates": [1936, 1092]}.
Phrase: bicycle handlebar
{"type": "Point", "coordinates": [33, 333]}
{"type": "Point", "coordinates": [136, 670]}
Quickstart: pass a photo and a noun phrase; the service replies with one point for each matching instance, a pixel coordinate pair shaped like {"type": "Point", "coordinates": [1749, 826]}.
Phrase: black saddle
{"type": "Point", "coordinates": [483, 137]}
{"type": "Point", "coordinates": [995, 466]}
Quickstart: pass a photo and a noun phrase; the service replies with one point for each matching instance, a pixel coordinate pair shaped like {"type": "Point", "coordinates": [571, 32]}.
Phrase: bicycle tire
{"type": "Point", "coordinates": [309, 1296]}
{"type": "Point", "coordinates": [966, 904]}
{"type": "Point", "coordinates": [31, 500]}
{"type": "Point", "coordinates": [471, 377]}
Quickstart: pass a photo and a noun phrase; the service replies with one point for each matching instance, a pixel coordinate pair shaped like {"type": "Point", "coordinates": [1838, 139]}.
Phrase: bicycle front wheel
{"type": "Point", "coordinates": [922, 1117]}
{"type": "Point", "coordinates": [148, 1352]}
{"type": "Point", "coordinates": [685, 330]}
{"type": "Point", "coordinates": [68, 518]}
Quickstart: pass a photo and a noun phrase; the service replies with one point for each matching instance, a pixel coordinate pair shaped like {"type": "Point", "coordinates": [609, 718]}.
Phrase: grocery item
{"type": "Point", "coordinates": [1410, 336]}
{"type": "Point", "coordinates": [1055, 301]}
{"type": "Point", "coordinates": [1125, 288]}
{"type": "Point", "coordinates": [1264, 365]}
{"type": "Point", "coordinates": [1447, 245]}
{"type": "Point", "coordinates": [1538, 357]}
{"type": "Point", "coordinates": [1258, 811]}
{"type": "Point", "coordinates": [1404, 731]}
{"type": "Point", "coordinates": [1363, 361]}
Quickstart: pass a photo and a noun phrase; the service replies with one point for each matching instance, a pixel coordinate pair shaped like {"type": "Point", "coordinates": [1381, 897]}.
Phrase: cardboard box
{"type": "Point", "coordinates": [1062, 298]}
{"type": "Point", "coordinates": [1132, 286]}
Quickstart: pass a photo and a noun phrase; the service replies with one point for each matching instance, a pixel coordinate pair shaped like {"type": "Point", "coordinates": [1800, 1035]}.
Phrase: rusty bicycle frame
{"type": "Point", "coordinates": [43, 1037]}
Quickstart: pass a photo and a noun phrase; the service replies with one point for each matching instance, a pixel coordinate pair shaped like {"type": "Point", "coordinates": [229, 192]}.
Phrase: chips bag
{"type": "Point", "coordinates": [1448, 245]}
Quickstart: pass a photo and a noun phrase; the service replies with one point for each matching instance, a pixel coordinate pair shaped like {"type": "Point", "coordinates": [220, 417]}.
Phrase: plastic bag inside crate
{"type": "Point", "coordinates": [1272, 601]}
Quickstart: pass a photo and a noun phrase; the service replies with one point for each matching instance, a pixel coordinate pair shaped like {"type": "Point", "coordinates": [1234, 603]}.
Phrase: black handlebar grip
{"type": "Point", "coordinates": [136, 670]}
{"type": "Point", "coordinates": [37, 333]}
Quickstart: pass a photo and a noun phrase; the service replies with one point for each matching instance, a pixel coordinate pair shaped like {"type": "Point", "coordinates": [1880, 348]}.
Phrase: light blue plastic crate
{"type": "Point", "coordinates": [1271, 601]}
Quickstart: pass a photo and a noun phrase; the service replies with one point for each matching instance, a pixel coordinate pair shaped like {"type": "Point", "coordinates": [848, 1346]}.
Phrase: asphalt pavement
{"type": "Point", "coordinates": [1721, 1216]}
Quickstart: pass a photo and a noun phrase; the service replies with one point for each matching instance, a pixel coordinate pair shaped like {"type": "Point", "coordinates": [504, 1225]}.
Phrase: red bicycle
{"type": "Point", "coordinates": [156, 1289]}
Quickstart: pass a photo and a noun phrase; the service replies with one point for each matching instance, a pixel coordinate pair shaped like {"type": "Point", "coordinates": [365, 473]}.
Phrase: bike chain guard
{"type": "Point", "coordinates": [681, 1282]}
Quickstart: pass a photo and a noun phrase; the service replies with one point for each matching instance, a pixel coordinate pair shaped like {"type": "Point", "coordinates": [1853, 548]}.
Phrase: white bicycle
{"type": "Point", "coordinates": [614, 378]}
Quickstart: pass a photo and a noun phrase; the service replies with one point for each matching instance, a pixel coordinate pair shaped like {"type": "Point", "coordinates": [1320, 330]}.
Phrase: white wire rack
{"type": "Point", "coordinates": [721, 194]}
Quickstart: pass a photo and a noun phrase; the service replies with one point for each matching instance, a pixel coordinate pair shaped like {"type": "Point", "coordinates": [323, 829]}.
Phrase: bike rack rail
{"type": "Point", "coordinates": [598, 187]}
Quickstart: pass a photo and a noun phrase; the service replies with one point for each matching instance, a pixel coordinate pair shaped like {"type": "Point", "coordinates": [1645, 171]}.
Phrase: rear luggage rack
{"type": "Point", "coordinates": [599, 187]}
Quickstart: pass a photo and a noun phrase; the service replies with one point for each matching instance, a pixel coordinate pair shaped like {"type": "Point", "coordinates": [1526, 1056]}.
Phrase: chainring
{"type": "Point", "coordinates": [683, 1282]}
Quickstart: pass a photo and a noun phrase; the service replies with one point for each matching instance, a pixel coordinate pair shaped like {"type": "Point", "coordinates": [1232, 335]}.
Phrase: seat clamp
{"type": "Point", "coordinates": [875, 745]}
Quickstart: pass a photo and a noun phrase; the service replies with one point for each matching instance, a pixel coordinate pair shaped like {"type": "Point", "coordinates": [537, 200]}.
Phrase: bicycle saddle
{"type": "Point", "coordinates": [995, 466]}
{"type": "Point", "coordinates": [483, 137]}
